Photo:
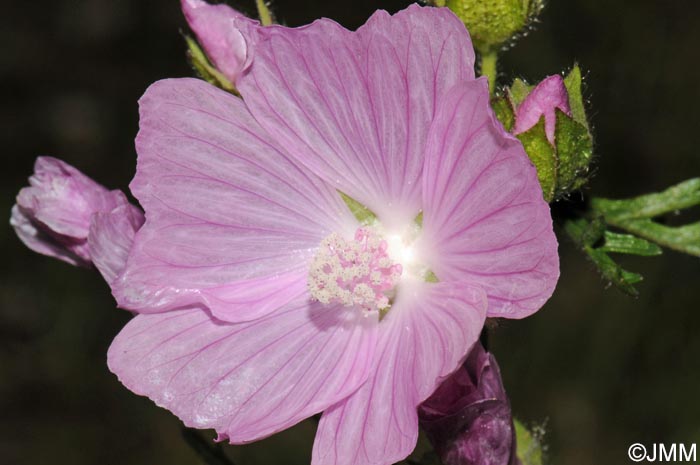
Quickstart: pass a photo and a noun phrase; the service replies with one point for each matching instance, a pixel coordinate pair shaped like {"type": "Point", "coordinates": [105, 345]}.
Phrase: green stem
{"type": "Point", "coordinates": [489, 68]}
{"type": "Point", "coordinates": [264, 13]}
{"type": "Point", "coordinates": [439, 3]}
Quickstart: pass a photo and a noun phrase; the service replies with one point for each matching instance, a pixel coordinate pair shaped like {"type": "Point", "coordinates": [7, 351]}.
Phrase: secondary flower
{"type": "Point", "coordinates": [263, 299]}
{"type": "Point", "coordinates": [220, 29]}
{"type": "Point", "coordinates": [543, 101]}
{"type": "Point", "coordinates": [53, 217]}
{"type": "Point", "coordinates": [468, 418]}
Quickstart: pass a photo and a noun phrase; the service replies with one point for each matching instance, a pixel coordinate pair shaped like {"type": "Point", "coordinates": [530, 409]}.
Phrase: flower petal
{"type": "Point", "coordinates": [425, 337]}
{"type": "Point", "coordinates": [484, 215]}
{"type": "Point", "coordinates": [355, 107]}
{"type": "Point", "coordinates": [111, 237]}
{"type": "Point", "coordinates": [544, 100]}
{"type": "Point", "coordinates": [224, 206]}
{"type": "Point", "coordinates": [38, 240]}
{"type": "Point", "coordinates": [245, 380]}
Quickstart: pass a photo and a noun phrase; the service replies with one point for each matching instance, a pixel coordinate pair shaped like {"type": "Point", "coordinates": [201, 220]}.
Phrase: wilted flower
{"type": "Point", "coordinates": [53, 215]}
{"type": "Point", "coordinates": [549, 95]}
{"type": "Point", "coordinates": [263, 300]}
{"type": "Point", "coordinates": [222, 31]}
{"type": "Point", "coordinates": [468, 418]}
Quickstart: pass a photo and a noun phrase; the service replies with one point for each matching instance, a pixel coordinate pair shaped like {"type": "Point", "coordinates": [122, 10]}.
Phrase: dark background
{"type": "Point", "coordinates": [598, 369]}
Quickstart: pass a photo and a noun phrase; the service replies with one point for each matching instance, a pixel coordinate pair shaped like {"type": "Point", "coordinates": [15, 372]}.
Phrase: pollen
{"type": "Point", "coordinates": [357, 272]}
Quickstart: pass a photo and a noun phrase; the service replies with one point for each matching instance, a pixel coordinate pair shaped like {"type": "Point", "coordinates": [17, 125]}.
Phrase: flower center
{"type": "Point", "coordinates": [360, 272]}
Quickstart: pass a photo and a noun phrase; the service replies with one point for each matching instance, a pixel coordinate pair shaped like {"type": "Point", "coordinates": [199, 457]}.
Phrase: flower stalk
{"type": "Point", "coordinates": [264, 13]}
{"type": "Point", "coordinates": [489, 68]}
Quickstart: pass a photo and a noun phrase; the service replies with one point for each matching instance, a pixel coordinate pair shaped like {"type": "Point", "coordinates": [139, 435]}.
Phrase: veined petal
{"type": "Point", "coordinates": [38, 240]}
{"type": "Point", "coordinates": [424, 338]}
{"type": "Point", "coordinates": [246, 380]}
{"type": "Point", "coordinates": [355, 107]}
{"type": "Point", "coordinates": [484, 216]}
{"type": "Point", "coordinates": [111, 237]}
{"type": "Point", "coordinates": [225, 206]}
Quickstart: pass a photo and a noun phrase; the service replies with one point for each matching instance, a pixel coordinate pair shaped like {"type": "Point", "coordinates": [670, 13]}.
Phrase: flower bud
{"type": "Point", "coordinates": [222, 32]}
{"type": "Point", "coordinates": [468, 418]}
{"type": "Point", "coordinates": [494, 23]}
{"type": "Point", "coordinates": [550, 121]}
{"type": "Point", "coordinates": [53, 215]}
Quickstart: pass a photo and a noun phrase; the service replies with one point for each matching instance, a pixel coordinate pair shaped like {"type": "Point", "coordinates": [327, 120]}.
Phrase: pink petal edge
{"type": "Point", "coordinates": [231, 220]}
{"type": "Point", "coordinates": [247, 380]}
{"type": "Point", "coordinates": [355, 107]}
{"type": "Point", "coordinates": [423, 339]}
{"type": "Point", "coordinates": [489, 225]}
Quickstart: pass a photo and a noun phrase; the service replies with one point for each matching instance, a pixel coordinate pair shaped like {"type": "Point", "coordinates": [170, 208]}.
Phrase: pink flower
{"type": "Point", "coordinates": [221, 30]}
{"type": "Point", "coordinates": [468, 418]}
{"type": "Point", "coordinates": [263, 300]}
{"type": "Point", "coordinates": [544, 100]}
{"type": "Point", "coordinates": [54, 216]}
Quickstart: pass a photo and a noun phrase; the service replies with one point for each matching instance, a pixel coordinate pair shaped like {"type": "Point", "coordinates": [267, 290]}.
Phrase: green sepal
{"type": "Point", "coordinates": [430, 277]}
{"type": "Point", "coordinates": [419, 219]}
{"type": "Point", "coordinates": [363, 214]}
{"type": "Point", "coordinates": [543, 156]}
{"type": "Point", "coordinates": [574, 153]}
{"type": "Point", "coordinates": [572, 82]}
{"type": "Point", "coordinates": [204, 69]}
{"type": "Point", "coordinates": [503, 110]}
{"type": "Point", "coordinates": [529, 448]}
{"type": "Point", "coordinates": [636, 216]}
{"type": "Point", "coordinates": [518, 91]}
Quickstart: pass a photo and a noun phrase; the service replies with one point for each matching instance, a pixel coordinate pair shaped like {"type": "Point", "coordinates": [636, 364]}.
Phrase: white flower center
{"type": "Point", "coordinates": [364, 271]}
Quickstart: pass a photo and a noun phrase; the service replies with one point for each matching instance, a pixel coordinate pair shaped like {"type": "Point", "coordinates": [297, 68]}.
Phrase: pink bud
{"type": "Point", "coordinates": [468, 418]}
{"type": "Point", "coordinates": [544, 99]}
{"type": "Point", "coordinates": [222, 32]}
{"type": "Point", "coordinates": [53, 215]}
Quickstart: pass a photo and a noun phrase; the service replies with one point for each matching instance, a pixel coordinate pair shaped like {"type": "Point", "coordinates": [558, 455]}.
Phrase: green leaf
{"type": "Point", "coordinates": [628, 244]}
{"type": "Point", "coordinates": [542, 155]}
{"type": "Point", "coordinates": [678, 197]}
{"type": "Point", "coordinates": [613, 272]}
{"type": "Point", "coordinates": [363, 214]}
{"type": "Point", "coordinates": [636, 216]}
{"type": "Point", "coordinates": [572, 82]}
{"type": "Point", "coordinates": [204, 68]}
{"type": "Point", "coordinates": [518, 91]}
{"type": "Point", "coordinates": [574, 152]}
{"type": "Point", "coordinates": [504, 112]}
{"type": "Point", "coordinates": [529, 445]}
{"type": "Point", "coordinates": [586, 234]}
